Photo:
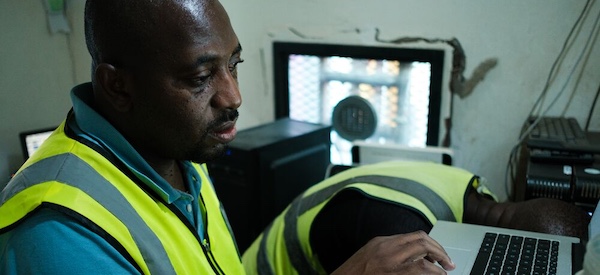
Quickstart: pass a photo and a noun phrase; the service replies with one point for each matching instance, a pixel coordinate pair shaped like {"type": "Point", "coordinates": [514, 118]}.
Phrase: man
{"type": "Point", "coordinates": [329, 222]}
{"type": "Point", "coordinates": [120, 188]}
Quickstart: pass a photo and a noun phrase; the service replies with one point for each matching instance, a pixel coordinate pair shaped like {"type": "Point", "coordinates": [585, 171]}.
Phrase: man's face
{"type": "Point", "coordinates": [186, 95]}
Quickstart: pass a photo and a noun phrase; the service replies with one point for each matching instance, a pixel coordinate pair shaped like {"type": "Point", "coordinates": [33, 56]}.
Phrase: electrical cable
{"type": "Point", "coordinates": [525, 133]}
{"type": "Point", "coordinates": [587, 123]}
{"type": "Point", "coordinates": [592, 108]}
{"type": "Point", "coordinates": [553, 70]}
{"type": "Point", "coordinates": [585, 49]}
{"type": "Point", "coordinates": [560, 56]}
{"type": "Point", "coordinates": [567, 81]}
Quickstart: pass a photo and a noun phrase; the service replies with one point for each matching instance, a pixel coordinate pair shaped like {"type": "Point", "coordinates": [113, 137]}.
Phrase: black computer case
{"type": "Point", "coordinates": [265, 168]}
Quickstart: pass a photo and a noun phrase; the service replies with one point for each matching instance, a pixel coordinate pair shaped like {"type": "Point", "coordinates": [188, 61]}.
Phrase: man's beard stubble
{"type": "Point", "coordinates": [203, 154]}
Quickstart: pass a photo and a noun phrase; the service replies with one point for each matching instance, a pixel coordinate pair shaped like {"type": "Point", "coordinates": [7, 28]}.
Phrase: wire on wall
{"type": "Point", "coordinates": [459, 85]}
{"type": "Point", "coordinates": [537, 111]}
{"type": "Point", "coordinates": [591, 113]}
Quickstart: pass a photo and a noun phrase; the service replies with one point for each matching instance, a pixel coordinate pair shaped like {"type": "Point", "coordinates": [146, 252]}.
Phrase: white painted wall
{"type": "Point", "coordinates": [37, 71]}
{"type": "Point", "coordinates": [37, 68]}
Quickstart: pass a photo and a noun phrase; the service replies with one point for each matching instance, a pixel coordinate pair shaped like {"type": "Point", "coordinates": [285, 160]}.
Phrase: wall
{"type": "Point", "coordinates": [37, 68]}
{"type": "Point", "coordinates": [525, 36]}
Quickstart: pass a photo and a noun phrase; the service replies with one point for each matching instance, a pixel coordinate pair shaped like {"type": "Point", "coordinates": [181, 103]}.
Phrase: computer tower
{"type": "Point", "coordinates": [549, 180]}
{"type": "Point", "coordinates": [264, 169]}
{"type": "Point", "coordinates": [586, 191]}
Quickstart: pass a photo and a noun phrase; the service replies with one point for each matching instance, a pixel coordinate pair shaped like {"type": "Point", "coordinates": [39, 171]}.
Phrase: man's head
{"type": "Point", "coordinates": [164, 73]}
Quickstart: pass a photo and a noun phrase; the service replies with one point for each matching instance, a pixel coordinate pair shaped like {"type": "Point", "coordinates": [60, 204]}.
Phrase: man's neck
{"type": "Point", "coordinates": [171, 172]}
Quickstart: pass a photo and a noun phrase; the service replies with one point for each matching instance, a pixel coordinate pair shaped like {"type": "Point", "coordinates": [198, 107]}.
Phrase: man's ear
{"type": "Point", "coordinates": [112, 82]}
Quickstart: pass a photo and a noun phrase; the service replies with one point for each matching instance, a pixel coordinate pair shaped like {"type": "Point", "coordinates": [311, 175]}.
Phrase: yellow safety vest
{"type": "Point", "coordinates": [77, 180]}
{"type": "Point", "coordinates": [436, 191]}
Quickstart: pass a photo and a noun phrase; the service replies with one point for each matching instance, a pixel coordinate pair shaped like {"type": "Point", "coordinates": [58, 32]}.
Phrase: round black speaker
{"type": "Point", "coordinates": [354, 118]}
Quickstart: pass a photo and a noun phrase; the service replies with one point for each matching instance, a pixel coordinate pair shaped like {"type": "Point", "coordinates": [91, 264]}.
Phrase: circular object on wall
{"type": "Point", "coordinates": [354, 118]}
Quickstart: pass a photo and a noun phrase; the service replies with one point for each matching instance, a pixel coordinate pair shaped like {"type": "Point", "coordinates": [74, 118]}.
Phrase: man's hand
{"type": "Point", "coordinates": [413, 253]}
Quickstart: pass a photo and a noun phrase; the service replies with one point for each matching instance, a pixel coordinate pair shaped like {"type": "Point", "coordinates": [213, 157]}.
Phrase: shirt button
{"type": "Point", "coordinates": [189, 208]}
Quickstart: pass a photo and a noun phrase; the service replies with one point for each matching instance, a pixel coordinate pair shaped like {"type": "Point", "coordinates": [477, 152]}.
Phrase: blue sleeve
{"type": "Point", "coordinates": [50, 242]}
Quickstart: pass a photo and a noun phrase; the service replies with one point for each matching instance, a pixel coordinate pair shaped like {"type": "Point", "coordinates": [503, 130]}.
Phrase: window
{"type": "Point", "coordinates": [402, 85]}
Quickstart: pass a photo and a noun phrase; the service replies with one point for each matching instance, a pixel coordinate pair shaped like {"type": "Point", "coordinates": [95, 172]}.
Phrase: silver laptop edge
{"type": "Point", "coordinates": [462, 242]}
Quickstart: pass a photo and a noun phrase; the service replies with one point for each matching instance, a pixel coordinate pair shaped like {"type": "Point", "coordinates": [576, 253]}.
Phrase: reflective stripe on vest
{"type": "Point", "coordinates": [105, 193]}
{"type": "Point", "coordinates": [301, 204]}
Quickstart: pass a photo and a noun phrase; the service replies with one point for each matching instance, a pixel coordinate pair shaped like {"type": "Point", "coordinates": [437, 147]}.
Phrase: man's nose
{"type": "Point", "coordinates": [227, 93]}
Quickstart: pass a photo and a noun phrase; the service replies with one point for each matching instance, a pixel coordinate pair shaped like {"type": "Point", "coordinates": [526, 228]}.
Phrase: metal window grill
{"type": "Point", "coordinates": [399, 93]}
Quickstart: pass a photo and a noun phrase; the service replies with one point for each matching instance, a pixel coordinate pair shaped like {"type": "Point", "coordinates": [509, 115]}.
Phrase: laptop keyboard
{"type": "Point", "coordinates": [559, 134]}
{"type": "Point", "coordinates": [506, 254]}
{"type": "Point", "coordinates": [559, 128]}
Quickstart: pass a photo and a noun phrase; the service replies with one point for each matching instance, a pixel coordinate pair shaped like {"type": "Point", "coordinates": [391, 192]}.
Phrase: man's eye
{"type": "Point", "coordinates": [199, 79]}
{"type": "Point", "coordinates": [233, 65]}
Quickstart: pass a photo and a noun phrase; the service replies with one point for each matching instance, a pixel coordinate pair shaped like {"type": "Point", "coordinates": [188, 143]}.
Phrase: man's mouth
{"type": "Point", "coordinates": [225, 133]}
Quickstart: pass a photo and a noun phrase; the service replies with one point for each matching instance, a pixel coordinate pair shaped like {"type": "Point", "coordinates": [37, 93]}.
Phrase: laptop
{"type": "Point", "coordinates": [463, 242]}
